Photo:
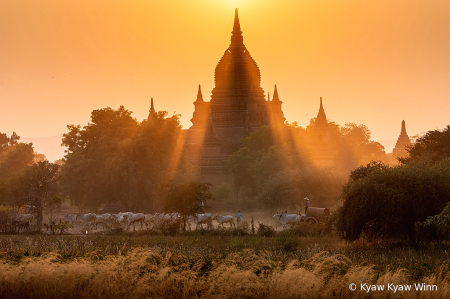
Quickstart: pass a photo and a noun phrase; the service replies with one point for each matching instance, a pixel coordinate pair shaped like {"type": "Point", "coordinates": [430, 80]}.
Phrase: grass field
{"type": "Point", "coordinates": [214, 264]}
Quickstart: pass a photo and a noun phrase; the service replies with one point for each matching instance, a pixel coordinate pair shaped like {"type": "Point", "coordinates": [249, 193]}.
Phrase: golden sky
{"type": "Point", "coordinates": [374, 62]}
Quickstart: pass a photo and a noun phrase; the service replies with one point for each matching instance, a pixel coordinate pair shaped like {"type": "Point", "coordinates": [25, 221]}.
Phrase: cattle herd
{"type": "Point", "coordinates": [91, 221]}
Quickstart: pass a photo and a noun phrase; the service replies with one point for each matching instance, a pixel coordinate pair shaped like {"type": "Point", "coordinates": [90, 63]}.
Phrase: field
{"type": "Point", "coordinates": [230, 263]}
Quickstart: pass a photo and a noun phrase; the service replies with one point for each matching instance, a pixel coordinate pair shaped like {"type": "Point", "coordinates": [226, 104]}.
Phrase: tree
{"type": "Point", "coordinates": [271, 150]}
{"type": "Point", "coordinates": [14, 156]}
{"type": "Point", "coordinates": [37, 186]}
{"type": "Point", "coordinates": [187, 199]}
{"type": "Point", "coordinates": [354, 147]}
{"type": "Point", "coordinates": [381, 202]}
{"type": "Point", "coordinates": [222, 192]}
{"type": "Point", "coordinates": [438, 226]}
{"type": "Point", "coordinates": [116, 159]}
{"type": "Point", "coordinates": [288, 188]}
{"type": "Point", "coordinates": [429, 149]}
{"type": "Point", "coordinates": [267, 151]}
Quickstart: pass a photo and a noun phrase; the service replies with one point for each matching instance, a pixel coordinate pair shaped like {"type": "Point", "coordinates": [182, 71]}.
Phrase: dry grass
{"type": "Point", "coordinates": [212, 265]}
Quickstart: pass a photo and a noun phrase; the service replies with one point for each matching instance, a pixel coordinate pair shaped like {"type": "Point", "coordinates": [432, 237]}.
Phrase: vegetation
{"type": "Point", "coordinates": [276, 164]}
{"type": "Point", "coordinates": [14, 156]}
{"type": "Point", "coordinates": [289, 187]}
{"type": "Point", "coordinates": [116, 159]}
{"type": "Point", "coordinates": [437, 226]}
{"type": "Point", "coordinates": [197, 265]}
{"type": "Point", "coordinates": [381, 202]}
{"type": "Point", "coordinates": [429, 149]}
{"type": "Point", "coordinates": [187, 199]}
{"type": "Point", "coordinates": [262, 155]}
{"type": "Point", "coordinates": [37, 187]}
{"type": "Point", "coordinates": [26, 180]}
{"type": "Point", "coordinates": [222, 193]}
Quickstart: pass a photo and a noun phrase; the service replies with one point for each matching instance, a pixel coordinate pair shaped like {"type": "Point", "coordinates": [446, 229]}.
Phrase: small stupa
{"type": "Point", "coordinates": [402, 141]}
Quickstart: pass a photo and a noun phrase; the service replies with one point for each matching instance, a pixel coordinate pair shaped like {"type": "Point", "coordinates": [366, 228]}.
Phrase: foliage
{"type": "Point", "coordinates": [351, 144]}
{"type": "Point", "coordinates": [290, 187]}
{"type": "Point", "coordinates": [37, 186]}
{"type": "Point", "coordinates": [116, 159]}
{"type": "Point", "coordinates": [14, 159]}
{"type": "Point", "coordinates": [304, 229]}
{"type": "Point", "coordinates": [222, 192]}
{"type": "Point", "coordinates": [387, 202]}
{"type": "Point", "coordinates": [265, 230]}
{"type": "Point", "coordinates": [287, 242]}
{"type": "Point", "coordinates": [14, 156]}
{"type": "Point", "coordinates": [263, 154]}
{"type": "Point", "coordinates": [283, 159]}
{"type": "Point", "coordinates": [429, 149]}
{"type": "Point", "coordinates": [439, 224]}
{"type": "Point", "coordinates": [363, 171]}
{"type": "Point", "coordinates": [187, 199]}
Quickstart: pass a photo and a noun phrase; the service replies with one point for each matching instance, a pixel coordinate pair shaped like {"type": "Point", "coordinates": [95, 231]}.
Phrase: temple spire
{"type": "Point", "coordinates": [152, 111]}
{"type": "Point", "coordinates": [275, 95]}
{"type": "Point", "coordinates": [236, 38]}
{"type": "Point", "coordinates": [199, 94]}
{"type": "Point", "coordinates": [321, 117]}
{"type": "Point", "coordinates": [402, 142]}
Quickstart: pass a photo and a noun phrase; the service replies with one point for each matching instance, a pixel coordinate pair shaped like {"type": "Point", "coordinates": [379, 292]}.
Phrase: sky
{"type": "Point", "coordinates": [374, 62]}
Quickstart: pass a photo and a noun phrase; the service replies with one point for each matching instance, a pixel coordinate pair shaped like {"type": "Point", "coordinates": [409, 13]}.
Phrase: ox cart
{"type": "Point", "coordinates": [315, 215]}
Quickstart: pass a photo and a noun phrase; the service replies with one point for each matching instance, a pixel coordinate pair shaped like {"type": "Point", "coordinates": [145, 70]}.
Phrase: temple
{"type": "Point", "coordinates": [152, 112]}
{"type": "Point", "coordinates": [402, 142]}
{"type": "Point", "coordinates": [320, 140]}
{"type": "Point", "coordinates": [237, 107]}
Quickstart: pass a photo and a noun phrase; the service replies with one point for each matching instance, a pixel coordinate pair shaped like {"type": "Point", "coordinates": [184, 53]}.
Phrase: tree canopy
{"type": "Point", "coordinates": [263, 154]}
{"type": "Point", "coordinates": [381, 202]}
{"type": "Point", "coordinates": [187, 199]}
{"type": "Point", "coordinates": [429, 149]}
{"type": "Point", "coordinates": [276, 162]}
{"type": "Point", "coordinates": [37, 187]}
{"type": "Point", "coordinates": [117, 159]}
{"type": "Point", "coordinates": [14, 156]}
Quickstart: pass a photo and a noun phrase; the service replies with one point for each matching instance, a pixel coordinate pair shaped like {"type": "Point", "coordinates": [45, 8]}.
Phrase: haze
{"type": "Point", "coordinates": [373, 62]}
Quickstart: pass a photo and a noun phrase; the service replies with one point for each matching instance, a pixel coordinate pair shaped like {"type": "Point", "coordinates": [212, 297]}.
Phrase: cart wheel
{"type": "Point", "coordinates": [311, 220]}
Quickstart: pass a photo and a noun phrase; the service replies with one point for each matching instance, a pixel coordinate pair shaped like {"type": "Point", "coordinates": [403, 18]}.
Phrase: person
{"type": "Point", "coordinates": [307, 204]}
{"type": "Point", "coordinates": [239, 217]}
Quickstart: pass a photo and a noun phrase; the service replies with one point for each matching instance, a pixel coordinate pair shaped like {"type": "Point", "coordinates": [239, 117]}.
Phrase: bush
{"type": "Point", "coordinates": [169, 227]}
{"type": "Point", "coordinates": [387, 202]}
{"type": "Point", "coordinates": [265, 230]}
{"type": "Point", "coordinates": [304, 229]}
{"type": "Point", "coordinates": [222, 193]}
{"type": "Point", "coordinates": [287, 242]}
{"type": "Point", "coordinates": [437, 226]}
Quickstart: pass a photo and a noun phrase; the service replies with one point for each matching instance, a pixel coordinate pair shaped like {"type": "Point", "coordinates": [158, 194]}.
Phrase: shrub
{"type": "Point", "coordinates": [287, 242]}
{"type": "Point", "coordinates": [304, 229]}
{"type": "Point", "coordinates": [265, 230]}
{"type": "Point", "coordinates": [387, 202]}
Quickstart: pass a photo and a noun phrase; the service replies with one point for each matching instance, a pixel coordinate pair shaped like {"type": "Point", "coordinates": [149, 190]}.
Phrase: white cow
{"type": "Point", "coordinates": [133, 218]}
{"type": "Point", "coordinates": [103, 219]}
{"type": "Point", "coordinates": [120, 218]}
{"type": "Point", "coordinates": [86, 219]}
{"type": "Point", "coordinates": [285, 218]}
{"type": "Point", "coordinates": [70, 219]}
{"type": "Point", "coordinates": [224, 219]}
{"type": "Point", "coordinates": [201, 219]}
{"type": "Point", "coordinates": [159, 218]}
{"type": "Point", "coordinates": [148, 219]}
{"type": "Point", "coordinates": [23, 220]}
